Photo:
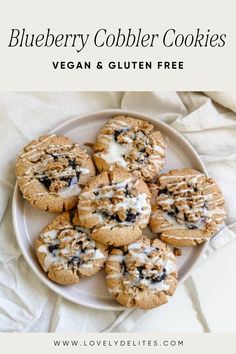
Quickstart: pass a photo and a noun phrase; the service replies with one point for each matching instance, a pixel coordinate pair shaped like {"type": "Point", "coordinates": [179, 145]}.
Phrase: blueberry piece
{"type": "Point", "coordinates": [72, 163]}
{"type": "Point", "coordinates": [67, 180]}
{"type": "Point", "coordinates": [131, 217]}
{"type": "Point", "coordinates": [127, 194]}
{"type": "Point", "coordinates": [155, 280]}
{"type": "Point", "coordinates": [55, 157]}
{"type": "Point", "coordinates": [115, 217]}
{"type": "Point", "coordinates": [95, 193]}
{"type": "Point", "coordinates": [116, 134]}
{"type": "Point", "coordinates": [164, 191]}
{"type": "Point", "coordinates": [46, 181]}
{"type": "Point", "coordinates": [72, 213]}
{"type": "Point", "coordinates": [52, 248]}
{"type": "Point", "coordinates": [192, 226]}
{"type": "Point", "coordinates": [78, 175]}
{"type": "Point", "coordinates": [74, 261]}
{"type": "Point", "coordinates": [171, 213]}
{"type": "Point", "coordinates": [159, 278]}
{"type": "Point", "coordinates": [140, 269]}
{"type": "Point", "coordinates": [164, 275]}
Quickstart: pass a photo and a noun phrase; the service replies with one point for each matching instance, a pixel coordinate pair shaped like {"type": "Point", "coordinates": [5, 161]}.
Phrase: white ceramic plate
{"type": "Point", "coordinates": [28, 221]}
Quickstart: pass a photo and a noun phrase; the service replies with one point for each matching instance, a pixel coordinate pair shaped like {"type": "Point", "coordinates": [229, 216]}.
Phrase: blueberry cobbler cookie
{"type": "Point", "coordinates": [187, 207]}
{"type": "Point", "coordinates": [51, 171]}
{"type": "Point", "coordinates": [141, 274]}
{"type": "Point", "coordinates": [66, 251]}
{"type": "Point", "coordinates": [116, 206]}
{"type": "Point", "coordinates": [131, 143]}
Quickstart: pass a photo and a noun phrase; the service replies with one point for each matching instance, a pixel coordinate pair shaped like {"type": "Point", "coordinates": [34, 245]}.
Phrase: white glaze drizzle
{"type": "Point", "coordinates": [117, 152]}
{"type": "Point", "coordinates": [138, 204]}
{"type": "Point", "coordinates": [61, 257]}
{"type": "Point", "coordinates": [70, 191]}
{"type": "Point", "coordinates": [142, 257]}
{"type": "Point", "coordinates": [37, 145]}
{"type": "Point", "coordinates": [171, 222]}
{"type": "Point", "coordinates": [39, 168]}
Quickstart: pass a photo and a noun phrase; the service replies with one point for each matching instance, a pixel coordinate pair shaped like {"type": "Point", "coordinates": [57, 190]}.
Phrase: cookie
{"type": "Point", "coordinates": [142, 274]}
{"type": "Point", "coordinates": [51, 171]}
{"type": "Point", "coordinates": [131, 143]}
{"type": "Point", "coordinates": [187, 207]}
{"type": "Point", "coordinates": [66, 251]}
{"type": "Point", "coordinates": [116, 207]}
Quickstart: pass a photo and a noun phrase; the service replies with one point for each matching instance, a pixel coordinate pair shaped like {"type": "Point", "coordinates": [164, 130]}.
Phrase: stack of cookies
{"type": "Point", "coordinates": [106, 202]}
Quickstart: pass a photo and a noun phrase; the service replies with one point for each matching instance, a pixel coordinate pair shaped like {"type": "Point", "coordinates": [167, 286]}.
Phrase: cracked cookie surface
{"type": "Point", "coordinates": [51, 172]}
{"type": "Point", "coordinates": [66, 251]}
{"type": "Point", "coordinates": [187, 207]}
{"type": "Point", "coordinates": [133, 144]}
{"type": "Point", "coordinates": [116, 207]}
{"type": "Point", "coordinates": [141, 274]}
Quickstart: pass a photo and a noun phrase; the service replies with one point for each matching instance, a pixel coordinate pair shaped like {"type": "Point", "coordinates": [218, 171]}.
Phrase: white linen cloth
{"type": "Point", "coordinates": [206, 120]}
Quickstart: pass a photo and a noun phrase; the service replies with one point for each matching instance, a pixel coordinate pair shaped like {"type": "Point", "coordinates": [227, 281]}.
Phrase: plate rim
{"type": "Point", "coordinates": [115, 111]}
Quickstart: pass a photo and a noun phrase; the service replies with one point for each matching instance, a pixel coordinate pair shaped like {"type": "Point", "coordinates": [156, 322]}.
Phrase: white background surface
{"type": "Point", "coordinates": [206, 302]}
